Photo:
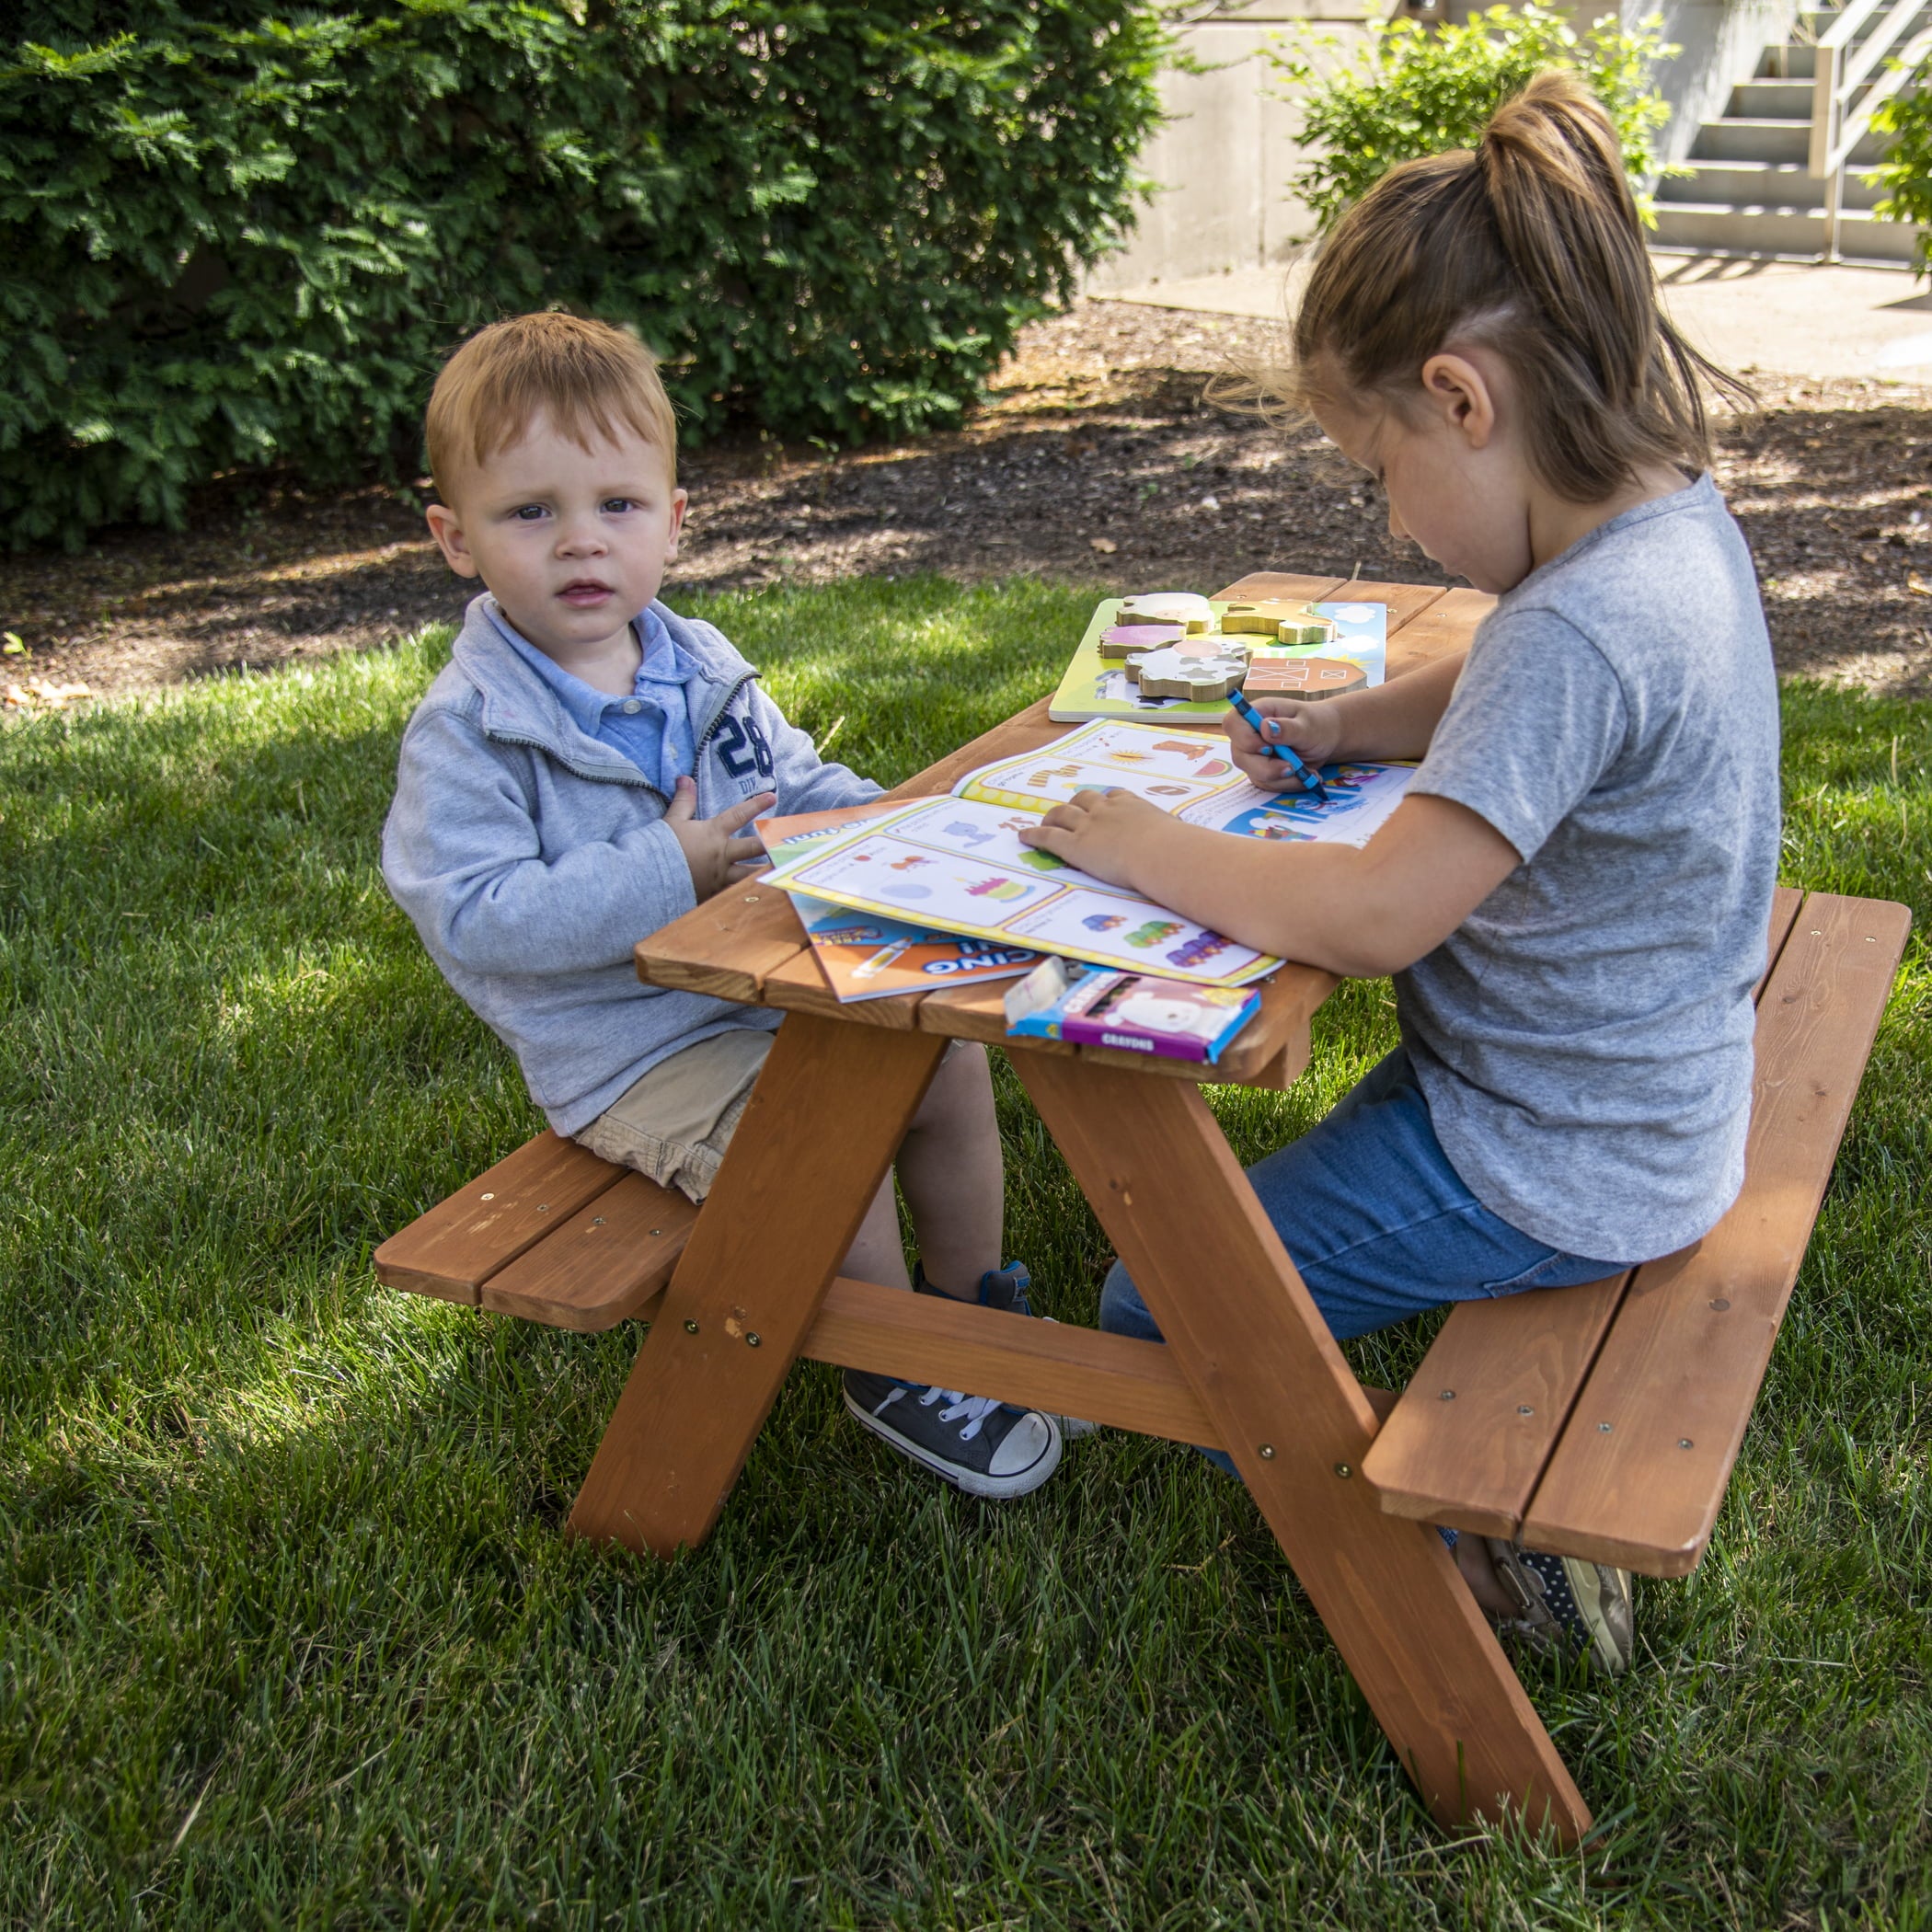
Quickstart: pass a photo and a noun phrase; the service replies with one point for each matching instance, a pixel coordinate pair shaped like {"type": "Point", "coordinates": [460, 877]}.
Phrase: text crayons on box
{"type": "Point", "coordinates": [1128, 1011]}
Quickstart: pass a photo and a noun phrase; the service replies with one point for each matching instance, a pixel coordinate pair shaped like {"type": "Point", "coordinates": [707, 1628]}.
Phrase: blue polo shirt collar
{"type": "Point", "coordinates": [651, 726]}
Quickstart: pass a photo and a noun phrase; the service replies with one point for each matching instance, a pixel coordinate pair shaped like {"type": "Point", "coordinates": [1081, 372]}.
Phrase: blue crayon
{"type": "Point", "coordinates": [1310, 777]}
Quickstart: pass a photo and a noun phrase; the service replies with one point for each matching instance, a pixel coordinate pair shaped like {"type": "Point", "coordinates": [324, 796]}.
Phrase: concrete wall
{"type": "Point", "coordinates": [1721, 42]}
{"type": "Point", "coordinates": [1224, 161]}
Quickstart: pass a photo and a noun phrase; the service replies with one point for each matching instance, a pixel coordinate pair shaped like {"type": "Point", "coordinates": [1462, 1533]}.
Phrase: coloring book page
{"type": "Point", "coordinates": [956, 864]}
{"type": "Point", "coordinates": [1171, 769]}
{"type": "Point", "coordinates": [789, 837]}
{"type": "Point", "coordinates": [1361, 798]}
{"type": "Point", "coordinates": [1192, 777]}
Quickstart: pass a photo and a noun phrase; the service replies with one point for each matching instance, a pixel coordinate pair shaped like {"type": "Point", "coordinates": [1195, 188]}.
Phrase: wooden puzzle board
{"type": "Point", "coordinates": [1098, 686]}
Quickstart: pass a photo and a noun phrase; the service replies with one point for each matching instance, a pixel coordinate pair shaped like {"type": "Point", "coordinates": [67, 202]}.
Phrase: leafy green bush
{"type": "Point", "coordinates": [1411, 90]}
{"type": "Point", "coordinates": [244, 231]}
{"type": "Point", "coordinates": [1905, 170]}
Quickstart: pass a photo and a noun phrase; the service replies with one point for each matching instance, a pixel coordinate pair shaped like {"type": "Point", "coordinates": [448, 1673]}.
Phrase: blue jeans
{"type": "Point", "coordinates": [1378, 1223]}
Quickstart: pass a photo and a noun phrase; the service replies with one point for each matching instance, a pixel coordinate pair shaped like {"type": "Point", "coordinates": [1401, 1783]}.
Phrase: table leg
{"type": "Point", "coordinates": [824, 1121]}
{"type": "Point", "coordinates": [1160, 1175]}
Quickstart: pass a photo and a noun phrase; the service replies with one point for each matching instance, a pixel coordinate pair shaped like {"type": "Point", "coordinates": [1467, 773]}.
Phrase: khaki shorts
{"type": "Point", "coordinates": [674, 1124]}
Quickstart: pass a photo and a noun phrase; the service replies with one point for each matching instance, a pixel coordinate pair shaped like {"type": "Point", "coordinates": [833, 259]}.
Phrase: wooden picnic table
{"type": "Point", "coordinates": [1601, 1421]}
{"type": "Point", "coordinates": [1248, 1364]}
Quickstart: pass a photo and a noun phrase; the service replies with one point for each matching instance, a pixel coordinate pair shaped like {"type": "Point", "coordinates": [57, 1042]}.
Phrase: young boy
{"type": "Point", "coordinates": [582, 772]}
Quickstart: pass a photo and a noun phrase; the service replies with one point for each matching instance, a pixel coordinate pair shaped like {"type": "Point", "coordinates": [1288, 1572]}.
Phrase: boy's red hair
{"type": "Point", "coordinates": [590, 379]}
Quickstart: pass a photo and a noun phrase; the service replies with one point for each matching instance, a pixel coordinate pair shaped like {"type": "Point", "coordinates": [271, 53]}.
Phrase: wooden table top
{"type": "Point", "coordinates": [746, 943]}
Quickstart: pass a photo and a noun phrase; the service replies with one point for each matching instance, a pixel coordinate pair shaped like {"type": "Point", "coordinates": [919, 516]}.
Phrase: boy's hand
{"type": "Point", "coordinates": [1103, 832]}
{"type": "Point", "coordinates": [710, 850]}
{"type": "Point", "coordinates": [1312, 731]}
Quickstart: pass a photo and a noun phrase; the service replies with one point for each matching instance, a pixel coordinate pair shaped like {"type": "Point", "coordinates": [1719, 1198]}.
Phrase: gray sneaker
{"type": "Point", "coordinates": [1006, 1288]}
{"type": "Point", "coordinates": [977, 1444]}
{"type": "Point", "coordinates": [1569, 1604]}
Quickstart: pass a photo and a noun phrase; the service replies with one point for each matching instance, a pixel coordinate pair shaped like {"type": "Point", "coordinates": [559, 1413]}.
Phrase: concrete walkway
{"type": "Point", "coordinates": [1774, 317]}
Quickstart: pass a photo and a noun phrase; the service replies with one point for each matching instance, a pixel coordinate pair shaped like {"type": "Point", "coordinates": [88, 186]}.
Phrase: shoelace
{"type": "Point", "coordinates": [975, 1408]}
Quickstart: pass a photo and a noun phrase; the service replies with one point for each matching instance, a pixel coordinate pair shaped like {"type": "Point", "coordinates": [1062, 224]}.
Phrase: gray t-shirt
{"type": "Point", "coordinates": [1584, 1038]}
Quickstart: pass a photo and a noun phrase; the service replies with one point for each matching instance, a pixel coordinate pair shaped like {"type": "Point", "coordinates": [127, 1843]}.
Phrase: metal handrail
{"type": "Point", "coordinates": [1841, 69]}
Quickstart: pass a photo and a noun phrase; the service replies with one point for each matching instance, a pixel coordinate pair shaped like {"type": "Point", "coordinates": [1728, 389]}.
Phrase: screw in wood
{"type": "Point", "coordinates": [489, 1196]}
{"type": "Point", "coordinates": [752, 1338]}
{"type": "Point", "coordinates": [1343, 1470]}
{"type": "Point", "coordinates": [596, 1220]}
{"type": "Point", "coordinates": [542, 1207]}
{"type": "Point", "coordinates": [1448, 1395]}
{"type": "Point", "coordinates": [690, 1326]}
{"type": "Point", "coordinates": [1720, 1304]}
{"type": "Point", "coordinates": [1602, 1429]}
{"type": "Point", "coordinates": [1523, 1409]}
{"type": "Point", "coordinates": [1684, 1442]}
{"type": "Point", "coordinates": [1267, 1451]}
{"type": "Point", "coordinates": [656, 1232]}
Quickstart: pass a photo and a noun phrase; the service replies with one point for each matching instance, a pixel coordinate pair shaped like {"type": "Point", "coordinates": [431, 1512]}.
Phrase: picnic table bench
{"type": "Point", "coordinates": [1602, 1420]}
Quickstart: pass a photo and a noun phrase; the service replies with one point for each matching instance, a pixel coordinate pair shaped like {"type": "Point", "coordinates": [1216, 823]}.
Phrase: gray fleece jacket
{"type": "Point", "coordinates": [532, 857]}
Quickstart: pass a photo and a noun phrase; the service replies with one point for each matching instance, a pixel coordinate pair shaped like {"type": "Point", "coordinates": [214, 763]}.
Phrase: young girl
{"type": "Point", "coordinates": [1574, 894]}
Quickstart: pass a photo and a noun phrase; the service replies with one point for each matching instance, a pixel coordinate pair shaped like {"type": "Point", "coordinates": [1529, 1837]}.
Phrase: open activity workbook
{"type": "Point", "coordinates": [956, 864]}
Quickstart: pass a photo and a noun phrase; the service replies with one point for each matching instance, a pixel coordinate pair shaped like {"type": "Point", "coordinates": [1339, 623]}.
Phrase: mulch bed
{"type": "Point", "coordinates": [1097, 461]}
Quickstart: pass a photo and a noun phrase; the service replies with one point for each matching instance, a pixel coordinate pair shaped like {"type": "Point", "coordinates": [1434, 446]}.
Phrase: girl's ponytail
{"type": "Point", "coordinates": [1532, 246]}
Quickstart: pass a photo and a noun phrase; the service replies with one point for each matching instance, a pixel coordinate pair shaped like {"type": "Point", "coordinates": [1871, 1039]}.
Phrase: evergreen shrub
{"type": "Point", "coordinates": [1411, 89]}
{"type": "Point", "coordinates": [245, 231]}
{"type": "Point", "coordinates": [1905, 170]}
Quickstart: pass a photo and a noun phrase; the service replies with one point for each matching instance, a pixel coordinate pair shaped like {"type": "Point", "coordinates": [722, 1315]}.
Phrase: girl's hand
{"type": "Point", "coordinates": [1100, 832]}
{"type": "Point", "coordinates": [1312, 731]}
{"type": "Point", "coordinates": [710, 850]}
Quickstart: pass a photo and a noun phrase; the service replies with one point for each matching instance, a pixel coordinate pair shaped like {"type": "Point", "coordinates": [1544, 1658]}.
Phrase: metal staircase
{"type": "Point", "coordinates": [1781, 173]}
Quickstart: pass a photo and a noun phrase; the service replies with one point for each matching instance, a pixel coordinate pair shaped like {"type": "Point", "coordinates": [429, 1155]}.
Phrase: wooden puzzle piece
{"type": "Point", "coordinates": [1126, 640]}
{"type": "Point", "coordinates": [1182, 607]}
{"type": "Point", "coordinates": [1178, 670]}
{"type": "Point", "coordinates": [1282, 618]}
{"type": "Point", "coordinates": [1304, 677]}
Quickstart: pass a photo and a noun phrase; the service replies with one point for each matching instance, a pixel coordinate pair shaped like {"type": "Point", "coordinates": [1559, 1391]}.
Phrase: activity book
{"type": "Point", "coordinates": [865, 957]}
{"type": "Point", "coordinates": [1172, 655]}
{"type": "Point", "coordinates": [956, 864]}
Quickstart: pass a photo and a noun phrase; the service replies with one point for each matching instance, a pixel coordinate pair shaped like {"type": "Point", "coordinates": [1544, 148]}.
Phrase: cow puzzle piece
{"type": "Point", "coordinates": [1282, 618]}
{"type": "Point", "coordinates": [1128, 640]}
{"type": "Point", "coordinates": [1194, 674]}
{"type": "Point", "coordinates": [1182, 607]}
{"type": "Point", "coordinates": [1306, 678]}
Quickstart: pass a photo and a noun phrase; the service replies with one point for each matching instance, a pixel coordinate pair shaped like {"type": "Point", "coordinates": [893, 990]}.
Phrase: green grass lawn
{"type": "Point", "coordinates": [288, 1633]}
